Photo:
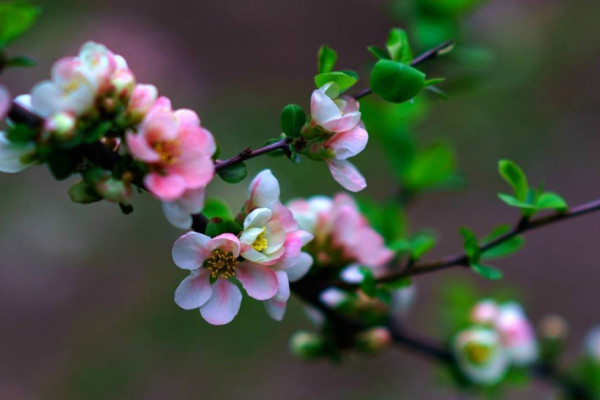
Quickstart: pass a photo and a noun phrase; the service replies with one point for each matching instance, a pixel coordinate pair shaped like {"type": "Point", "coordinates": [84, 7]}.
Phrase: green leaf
{"type": "Point", "coordinates": [83, 193]}
{"type": "Point", "coordinates": [396, 82]}
{"type": "Point", "coordinates": [513, 174]}
{"type": "Point", "coordinates": [234, 173]}
{"type": "Point", "coordinates": [223, 226]}
{"type": "Point", "coordinates": [216, 208]}
{"type": "Point", "coordinates": [20, 62]}
{"type": "Point", "coordinates": [327, 59]}
{"type": "Point", "coordinates": [368, 284]}
{"type": "Point", "coordinates": [470, 244]}
{"type": "Point", "coordinates": [434, 81]}
{"type": "Point", "coordinates": [514, 202]}
{"type": "Point", "coordinates": [379, 52]}
{"type": "Point", "coordinates": [396, 284]}
{"type": "Point", "coordinates": [432, 166]}
{"type": "Point", "coordinates": [487, 271]}
{"type": "Point", "coordinates": [15, 19]}
{"type": "Point", "coordinates": [552, 201]}
{"type": "Point", "coordinates": [62, 164]}
{"type": "Point", "coordinates": [398, 46]}
{"type": "Point", "coordinates": [504, 249]}
{"type": "Point", "coordinates": [293, 119]}
{"type": "Point", "coordinates": [437, 91]}
{"type": "Point", "coordinates": [343, 80]}
{"type": "Point", "coordinates": [21, 133]}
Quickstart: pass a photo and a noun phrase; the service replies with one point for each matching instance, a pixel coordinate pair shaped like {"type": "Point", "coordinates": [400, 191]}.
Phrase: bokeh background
{"type": "Point", "coordinates": [86, 309]}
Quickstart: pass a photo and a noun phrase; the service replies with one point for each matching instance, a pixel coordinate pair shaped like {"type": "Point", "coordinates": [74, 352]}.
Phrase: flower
{"type": "Point", "coordinates": [485, 312]}
{"type": "Point", "coordinates": [142, 100]}
{"type": "Point", "coordinates": [13, 156]}
{"type": "Point", "coordinates": [345, 134]}
{"type": "Point", "coordinates": [271, 237]}
{"type": "Point", "coordinates": [5, 102]}
{"type": "Point", "coordinates": [179, 212]}
{"type": "Point", "coordinates": [592, 344]}
{"type": "Point", "coordinates": [177, 149]}
{"type": "Point", "coordinates": [517, 334]}
{"type": "Point", "coordinates": [337, 224]}
{"type": "Point", "coordinates": [213, 264]}
{"type": "Point", "coordinates": [480, 355]}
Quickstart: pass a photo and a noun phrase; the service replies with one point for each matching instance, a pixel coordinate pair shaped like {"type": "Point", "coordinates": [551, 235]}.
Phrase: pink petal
{"type": "Point", "coordinates": [259, 281]}
{"type": "Point", "coordinates": [224, 303]}
{"type": "Point", "coordinates": [352, 105]}
{"type": "Point", "coordinates": [301, 268]}
{"type": "Point", "coordinates": [166, 188]}
{"type": "Point", "coordinates": [190, 250]}
{"type": "Point", "coordinates": [264, 190]}
{"type": "Point", "coordinates": [323, 108]}
{"type": "Point", "coordinates": [194, 291]}
{"type": "Point", "coordinates": [5, 102]}
{"type": "Point", "coordinates": [140, 149]}
{"type": "Point", "coordinates": [187, 118]}
{"type": "Point", "coordinates": [196, 140]}
{"type": "Point", "coordinates": [196, 172]}
{"type": "Point", "coordinates": [348, 144]}
{"type": "Point", "coordinates": [285, 217]}
{"type": "Point", "coordinates": [227, 242]}
{"type": "Point", "coordinates": [276, 309]}
{"type": "Point", "coordinates": [293, 245]}
{"type": "Point", "coordinates": [346, 175]}
{"type": "Point", "coordinates": [343, 124]}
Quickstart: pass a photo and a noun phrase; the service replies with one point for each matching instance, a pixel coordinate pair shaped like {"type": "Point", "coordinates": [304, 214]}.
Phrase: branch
{"type": "Point", "coordinates": [248, 153]}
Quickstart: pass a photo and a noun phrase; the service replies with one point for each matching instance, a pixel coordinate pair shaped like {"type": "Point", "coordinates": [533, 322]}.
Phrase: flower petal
{"type": "Point", "coordinates": [11, 154]}
{"type": "Point", "coordinates": [348, 144]}
{"type": "Point", "coordinates": [345, 123]}
{"type": "Point", "coordinates": [301, 268]}
{"type": "Point", "coordinates": [179, 212]}
{"type": "Point", "coordinates": [224, 303]}
{"type": "Point", "coordinates": [346, 175]}
{"type": "Point", "coordinates": [194, 291]}
{"type": "Point", "coordinates": [165, 187]}
{"type": "Point", "coordinates": [264, 190]}
{"type": "Point", "coordinates": [259, 281]}
{"type": "Point", "coordinates": [276, 309]}
{"type": "Point", "coordinates": [322, 108]}
{"type": "Point", "coordinates": [140, 149]}
{"type": "Point", "coordinates": [258, 218]}
{"type": "Point", "coordinates": [4, 101]}
{"type": "Point", "coordinates": [190, 250]}
{"type": "Point", "coordinates": [227, 242]}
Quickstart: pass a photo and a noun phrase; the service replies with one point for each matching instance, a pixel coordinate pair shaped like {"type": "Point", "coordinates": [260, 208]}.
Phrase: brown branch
{"type": "Point", "coordinates": [247, 154]}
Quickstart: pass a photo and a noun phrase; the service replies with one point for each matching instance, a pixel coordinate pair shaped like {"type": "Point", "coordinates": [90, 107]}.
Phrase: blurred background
{"type": "Point", "coordinates": [86, 293]}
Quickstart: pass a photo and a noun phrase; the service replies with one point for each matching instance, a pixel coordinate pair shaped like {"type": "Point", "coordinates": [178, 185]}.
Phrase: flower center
{"type": "Point", "coordinates": [168, 151]}
{"type": "Point", "coordinates": [221, 264]}
{"type": "Point", "coordinates": [261, 243]}
{"type": "Point", "coordinates": [478, 353]}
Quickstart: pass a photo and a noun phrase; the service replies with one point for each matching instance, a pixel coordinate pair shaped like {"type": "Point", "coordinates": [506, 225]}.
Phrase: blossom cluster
{"type": "Point", "coordinates": [500, 336]}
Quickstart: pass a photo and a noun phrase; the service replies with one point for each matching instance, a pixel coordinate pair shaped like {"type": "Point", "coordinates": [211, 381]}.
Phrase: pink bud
{"type": "Point", "coordinates": [61, 125]}
{"type": "Point", "coordinates": [374, 340]}
{"type": "Point", "coordinates": [123, 83]}
{"type": "Point", "coordinates": [142, 100]}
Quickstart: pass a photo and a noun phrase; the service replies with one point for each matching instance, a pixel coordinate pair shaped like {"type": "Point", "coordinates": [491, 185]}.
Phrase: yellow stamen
{"type": "Point", "coordinates": [168, 151]}
{"type": "Point", "coordinates": [261, 243]}
{"type": "Point", "coordinates": [221, 264]}
{"type": "Point", "coordinates": [478, 353]}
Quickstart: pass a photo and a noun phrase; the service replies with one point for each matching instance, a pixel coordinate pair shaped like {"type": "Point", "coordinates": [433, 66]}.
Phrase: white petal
{"type": "Point", "coordinates": [347, 175]}
{"type": "Point", "coordinates": [190, 250]}
{"type": "Point", "coordinates": [264, 190]}
{"type": "Point", "coordinates": [276, 309]}
{"type": "Point", "coordinates": [11, 154]}
{"type": "Point", "coordinates": [259, 281]}
{"type": "Point", "coordinates": [258, 218]}
{"type": "Point", "coordinates": [301, 267]}
{"type": "Point", "coordinates": [322, 108]}
{"type": "Point", "coordinates": [195, 290]}
{"type": "Point", "coordinates": [176, 215]}
{"type": "Point", "coordinates": [224, 303]}
{"type": "Point", "coordinates": [249, 235]}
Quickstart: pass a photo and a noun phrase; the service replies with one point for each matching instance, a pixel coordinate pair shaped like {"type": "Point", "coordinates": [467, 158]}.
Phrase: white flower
{"type": "Point", "coordinates": [12, 155]}
{"type": "Point", "coordinates": [480, 355]}
{"type": "Point", "coordinates": [517, 334]}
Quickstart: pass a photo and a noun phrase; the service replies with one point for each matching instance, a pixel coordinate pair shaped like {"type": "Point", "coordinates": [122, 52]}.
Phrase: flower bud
{"type": "Point", "coordinates": [61, 125]}
{"type": "Point", "coordinates": [480, 355]}
{"type": "Point", "coordinates": [485, 312]}
{"type": "Point", "coordinates": [83, 193]}
{"type": "Point", "coordinates": [554, 327]}
{"type": "Point", "coordinates": [307, 345]}
{"type": "Point", "coordinates": [142, 99]}
{"type": "Point", "coordinates": [123, 83]}
{"type": "Point", "coordinates": [114, 190]}
{"type": "Point", "coordinates": [517, 334]}
{"type": "Point", "coordinates": [373, 340]}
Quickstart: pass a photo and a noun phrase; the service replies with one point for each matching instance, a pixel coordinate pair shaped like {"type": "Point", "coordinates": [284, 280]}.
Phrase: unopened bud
{"type": "Point", "coordinates": [61, 125]}
{"type": "Point", "coordinates": [553, 327]}
{"type": "Point", "coordinates": [485, 312]}
{"type": "Point", "coordinates": [373, 340]}
{"type": "Point", "coordinates": [83, 193]}
{"type": "Point", "coordinates": [123, 83]}
{"type": "Point", "coordinates": [142, 99]}
{"type": "Point", "coordinates": [114, 190]}
{"type": "Point", "coordinates": [307, 345]}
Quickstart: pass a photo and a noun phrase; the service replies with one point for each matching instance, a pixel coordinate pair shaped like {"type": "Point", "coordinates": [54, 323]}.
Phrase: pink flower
{"type": "Point", "coordinates": [213, 263]}
{"type": "Point", "coordinates": [338, 225]}
{"type": "Point", "coordinates": [271, 237]}
{"type": "Point", "coordinates": [5, 102]}
{"type": "Point", "coordinates": [485, 312]}
{"type": "Point", "coordinates": [177, 148]}
{"type": "Point", "coordinates": [517, 334]}
{"type": "Point", "coordinates": [142, 100]}
{"type": "Point", "coordinates": [346, 134]}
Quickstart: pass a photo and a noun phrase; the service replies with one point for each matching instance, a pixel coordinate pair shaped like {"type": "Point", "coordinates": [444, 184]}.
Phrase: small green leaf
{"type": "Point", "coordinates": [343, 80]}
{"type": "Point", "coordinates": [438, 92]}
{"type": "Point", "coordinates": [396, 82]}
{"type": "Point", "coordinates": [513, 174]}
{"type": "Point", "coordinates": [432, 166]}
{"type": "Point", "coordinates": [327, 59]}
{"type": "Point", "coordinates": [368, 283]}
{"type": "Point", "coordinates": [234, 173]}
{"type": "Point", "coordinates": [293, 119]}
{"type": "Point", "coordinates": [223, 226]}
{"type": "Point", "coordinates": [15, 19]}
{"type": "Point", "coordinates": [487, 271]}
{"type": "Point", "coordinates": [434, 81]}
{"type": "Point", "coordinates": [514, 202]}
{"type": "Point", "coordinates": [470, 244]}
{"type": "Point", "coordinates": [216, 208]}
{"type": "Point", "coordinates": [399, 283]}
{"type": "Point", "coordinates": [504, 249]}
{"type": "Point", "coordinates": [21, 133]}
{"type": "Point", "coordinates": [379, 52]}
{"type": "Point", "coordinates": [552, 201]}
{"type": "Point", "coordinates": [398, 46]}
{"type": "Point", "coordinates": [20, 62]}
